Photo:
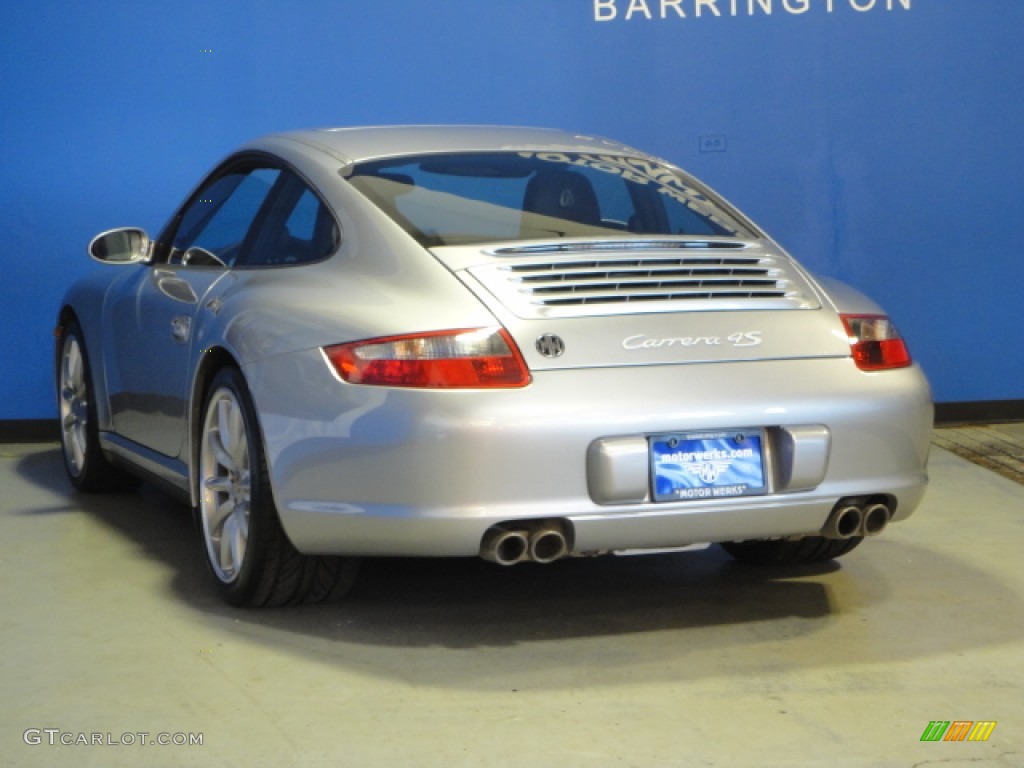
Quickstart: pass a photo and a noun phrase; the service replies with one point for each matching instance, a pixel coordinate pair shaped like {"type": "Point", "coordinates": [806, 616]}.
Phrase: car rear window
{"type": "Point", "coordinates": [452, 199]}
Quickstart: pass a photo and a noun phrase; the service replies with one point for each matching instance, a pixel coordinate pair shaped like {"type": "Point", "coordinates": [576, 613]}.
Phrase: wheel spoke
{"type": "Point", "coordinates": [217, 484]}
{"type": "Point", "coordinates": [226, 555]}
{"type": "Point", "coordinates": [233, 541]}
{"type": "Point", "coordinates": [73, 366]}
{"type": "Point", "coordinates": [77, 440]}
{"type": "Point", "coordinates": [221, 438]}
{"type": "Point", "coordinates": [242, 518]}
{"type": "Point", "coordinates": [217, 514]}
{"type": "Point", "coordinates": [229, 424]}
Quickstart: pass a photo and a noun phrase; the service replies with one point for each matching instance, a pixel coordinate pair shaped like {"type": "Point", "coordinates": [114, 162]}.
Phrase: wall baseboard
{"type": "Point", "coordinates": [29, 431]}
{"type": "Point", "coordinates": [974, 412]}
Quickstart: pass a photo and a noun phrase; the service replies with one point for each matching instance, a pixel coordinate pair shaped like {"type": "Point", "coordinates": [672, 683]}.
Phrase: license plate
{"type": "Point", "coordinates": [707, 465]}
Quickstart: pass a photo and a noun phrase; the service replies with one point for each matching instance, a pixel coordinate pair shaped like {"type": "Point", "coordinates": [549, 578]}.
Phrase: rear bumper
{"type": "Point", "coordinates": [375, 471]}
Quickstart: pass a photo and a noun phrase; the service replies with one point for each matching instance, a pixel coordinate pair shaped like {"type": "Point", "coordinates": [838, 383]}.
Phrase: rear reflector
{"type": "Point", "coordinates": [875, 343]}
{"type": "Point", "coordinates": [476, 358]}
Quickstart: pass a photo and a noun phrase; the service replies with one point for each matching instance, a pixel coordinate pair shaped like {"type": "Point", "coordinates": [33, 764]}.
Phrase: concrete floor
{"type": "Point", "coordinates": [109, 627]}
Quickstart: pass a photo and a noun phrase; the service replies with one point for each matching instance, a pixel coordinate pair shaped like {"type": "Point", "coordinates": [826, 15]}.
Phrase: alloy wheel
{"type": "Point", "coordinates": [74, 406]}
{"type": "Point", "coordinates": [226, 484]}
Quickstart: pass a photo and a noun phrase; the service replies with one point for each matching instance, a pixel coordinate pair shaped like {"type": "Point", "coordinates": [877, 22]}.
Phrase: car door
{"type": "Point", "coordinates": [152, 314]}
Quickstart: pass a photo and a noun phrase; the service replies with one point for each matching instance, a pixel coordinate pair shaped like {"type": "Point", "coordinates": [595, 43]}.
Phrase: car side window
{"type": "Point", "coordinates": [218, 220]}
{"type": "Point", "coordinates": [295, 228]}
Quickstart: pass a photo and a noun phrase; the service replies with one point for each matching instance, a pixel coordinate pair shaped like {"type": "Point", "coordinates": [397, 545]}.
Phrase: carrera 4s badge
{"type": "Point", "coordinates": [738, 339]}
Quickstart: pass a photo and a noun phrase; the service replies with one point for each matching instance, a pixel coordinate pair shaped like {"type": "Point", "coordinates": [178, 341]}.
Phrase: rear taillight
{"type": "Point", "coordinates": [479, 358]}
{"type": "Point", "coordinates": [875, 343]}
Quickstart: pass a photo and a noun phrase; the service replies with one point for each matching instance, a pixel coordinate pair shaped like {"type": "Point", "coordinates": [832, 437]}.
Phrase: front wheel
{"type": "Point", "coordinates": [87, 467]}
{"type": "Point", "coordinates": [810, 549]}
{"type": "Point", "coordinates": [254, 562]}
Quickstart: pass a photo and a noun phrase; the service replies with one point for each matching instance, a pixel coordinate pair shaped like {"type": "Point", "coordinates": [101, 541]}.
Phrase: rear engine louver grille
{"type": "Point", "coordinates": [577, 279]}
{"type": "Point", "coordinates": [649, 279]}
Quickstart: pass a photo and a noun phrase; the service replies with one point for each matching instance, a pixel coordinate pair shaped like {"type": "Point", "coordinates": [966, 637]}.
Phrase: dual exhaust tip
{"type": "Point", "coordinates": [851, 518]}
{"type": "Point", "coordinates": [542, 541]}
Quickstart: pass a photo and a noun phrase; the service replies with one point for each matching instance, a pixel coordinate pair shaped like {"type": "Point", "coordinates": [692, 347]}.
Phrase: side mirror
{"type": "Point", "coordinates": [128, 245]}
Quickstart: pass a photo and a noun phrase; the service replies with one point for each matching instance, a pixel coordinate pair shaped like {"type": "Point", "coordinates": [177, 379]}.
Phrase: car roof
{"type": "Point", "coordinates": [360, 144]}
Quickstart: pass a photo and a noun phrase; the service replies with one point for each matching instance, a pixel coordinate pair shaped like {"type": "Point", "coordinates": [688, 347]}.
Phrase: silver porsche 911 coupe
{"type": "Point", "coordinates": [516, 344]}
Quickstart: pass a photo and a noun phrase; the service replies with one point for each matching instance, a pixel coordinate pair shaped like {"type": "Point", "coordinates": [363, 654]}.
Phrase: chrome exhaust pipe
{"type": "Point", "coordinates": [505, 547]}
{"type": "Point", "coordinates": [547, 544]}
{"type": "Point", "coordinates": [845, 521]}
{"type": "Point", "coordinates": [876, 518]}
{"type": "Point", "coordinates": [542, 541]}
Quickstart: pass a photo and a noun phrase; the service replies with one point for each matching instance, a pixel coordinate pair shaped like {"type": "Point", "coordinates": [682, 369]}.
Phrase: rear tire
{"type": "Point", "coordinates": [87, 467]}
{"type": "Point", "coordinates": [246, 548]}
{"type": "Point", "coordinates": [811, 549]}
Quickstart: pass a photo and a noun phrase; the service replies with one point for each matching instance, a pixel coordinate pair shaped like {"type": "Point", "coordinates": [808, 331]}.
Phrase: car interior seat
{"type": "Point", "coordinates": [562, 194]}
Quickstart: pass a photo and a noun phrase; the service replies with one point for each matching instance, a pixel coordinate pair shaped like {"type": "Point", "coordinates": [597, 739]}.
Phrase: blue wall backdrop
{"type": "Point", "coordinates": [878, 140]}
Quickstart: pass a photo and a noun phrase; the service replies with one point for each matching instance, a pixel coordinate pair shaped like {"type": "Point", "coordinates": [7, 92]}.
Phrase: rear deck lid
{"type": "Point", "coordinates": [593, 303]}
